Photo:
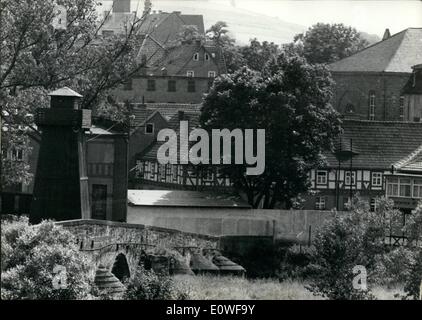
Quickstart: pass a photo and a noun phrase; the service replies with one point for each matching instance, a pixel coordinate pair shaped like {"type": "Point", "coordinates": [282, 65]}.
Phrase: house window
{"type": "Point", "coordinates": [127, 85]}
{"type": "Point", "coordinates": [404, 187]}
{"type": "Point", "coordinates": [196, 57]}
{"type": "Point", "coordinates": [151, 85]}
{"type": "Point", "coordinates": [320, 203]}
{"type": "Point", "coordinates": [207, 56]}
{"type": "Point", "coordinates": [350, 178]}
{"type": "Point", "coordinates": [171, 86]}
{"type": "Point", "coordinates": [15, 154]}
{"type": "Point", "coordinates": [211, 74]}
{"type": "Point", "coordinates": [401, 108]}
{"type": "Point", "coordinates": [191, 86]}
{"type": "Point", "coordinates": [152, 172]}
{"type": "Point", "coordinates": [321, 177]}
{"type": "Point", "coordinates": [372, 106]}
{"type": "Point", "coordinates": [373, 205]}
{"type": "Point", "coordinates": [149, 128]}
{"type": "Point", "coordinates": [376, 179]}
{"type": "Point", "coordinates": [417, 188]}
{"type": "Point", "coordinates": [190, 73]}
{"type": "Point", "coordinates": [393, 187]}
{"type": "Point", "coordinates": [175, 172]}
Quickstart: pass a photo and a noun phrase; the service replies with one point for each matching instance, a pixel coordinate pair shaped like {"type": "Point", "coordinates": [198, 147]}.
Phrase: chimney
{"type": "Point", "coordinates": [386, 34]}
{"type": "Point", "coordinates": [181, 115]}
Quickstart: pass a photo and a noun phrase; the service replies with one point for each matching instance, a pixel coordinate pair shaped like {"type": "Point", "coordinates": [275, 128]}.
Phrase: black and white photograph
{"type": "Point", "coordinates": [211, 154]}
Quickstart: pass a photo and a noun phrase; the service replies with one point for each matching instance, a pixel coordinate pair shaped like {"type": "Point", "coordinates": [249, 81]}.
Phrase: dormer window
{"type": "Point", "coordinates": [207, 56]}
{"type": "Point", "coordinates": [149, 128]}
{"type": "Point", "coordinates": [196, 57]}
{"type": "Point", "coordinates": [190, 73]}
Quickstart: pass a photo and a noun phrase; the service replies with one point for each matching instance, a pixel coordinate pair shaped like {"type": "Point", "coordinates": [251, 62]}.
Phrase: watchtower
{"type": "Point", "coordinates": [61, 184]}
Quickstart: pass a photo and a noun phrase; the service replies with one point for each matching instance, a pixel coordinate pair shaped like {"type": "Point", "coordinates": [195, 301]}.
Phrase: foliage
{"type": "Point", "coordinates": [357, 238]}
{"type": "Point", "coordinates": [294, 263]}
{"type": "Point", "coordinates": [326, 43]}
{"type": "Point", "coordinates": [258, 54]}
{"type": "Point", "coordinates": [148, 285]}
{"type": "Point", "coordinates": [30, 254]}
{"type": "Point", "coordinates": [413, 284]}
{"type": "Point", "coordinates": [291, 102]}
{"type": "Point", "coordinates": [37, 58]}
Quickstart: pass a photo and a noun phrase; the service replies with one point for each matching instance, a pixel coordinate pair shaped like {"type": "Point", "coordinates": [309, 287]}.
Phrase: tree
{"type": "Point", "coordinates": [33, 259]}
{"type": "Point", "coordinates": [291, 102]}
{"type": "Point", "coordinates": [326, 43]}
{"type": "Point", "coordinates": [37, 57]}
{"type": "Point", "coordinates": [258, 54]}
{"type": "Point", "coordinates": [218, 34]}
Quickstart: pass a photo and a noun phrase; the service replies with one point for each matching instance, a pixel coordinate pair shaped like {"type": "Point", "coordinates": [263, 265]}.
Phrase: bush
{"type": "Point", "coordinates": [295, 261]}
{"type": "Point", "coordinates": [148, 285]}
{"type": "Point", "coordinates": [414, 278]}
{"type": "Point", "coordinates": [30, 256]}
{"type": "Point", "coordinates": [339, 247]}
{"type": "Point", "coordinates": [392, 268]}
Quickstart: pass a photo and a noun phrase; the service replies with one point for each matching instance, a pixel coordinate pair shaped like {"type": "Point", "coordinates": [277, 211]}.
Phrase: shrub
{"type": "Point", "coordinates": [31, 254]}
{"type": "Point", "coordinates": [295, 261]}
{"type": "Point", "coordinates": [392, 268]}
{"type": "Point", "coordinates": [339, 247]}
{"type": "Point", "coordinates": [414, 278]}
{"type": "Point", "coordinates": [148, 285]}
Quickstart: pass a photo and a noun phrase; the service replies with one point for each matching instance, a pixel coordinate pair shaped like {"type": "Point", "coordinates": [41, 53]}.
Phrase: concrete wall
{"type": "Point", "coordinates": [282, 224]}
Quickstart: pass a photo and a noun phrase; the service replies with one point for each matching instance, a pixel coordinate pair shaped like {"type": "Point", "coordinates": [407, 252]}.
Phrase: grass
{"type": "Point", "coordinates": [207, 287]}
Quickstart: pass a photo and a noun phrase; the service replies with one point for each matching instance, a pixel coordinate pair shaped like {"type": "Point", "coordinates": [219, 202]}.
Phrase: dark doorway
{"type": "Point", "coordinates": [121, 268]}
{"type": "Point", "coordinates": [99, 201]}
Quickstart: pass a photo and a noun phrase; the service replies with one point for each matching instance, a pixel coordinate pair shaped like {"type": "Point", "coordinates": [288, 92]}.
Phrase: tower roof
{"type": "Point", "coordinates": [398, 53]}
{"type": "Point", "coordinates": [65, 92]}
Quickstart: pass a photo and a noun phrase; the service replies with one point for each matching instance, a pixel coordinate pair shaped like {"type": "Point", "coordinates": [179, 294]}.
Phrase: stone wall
{"type": "Point", "coordinates": [94, 234]}
{"type": "Point", "coordinates": [354, 88]}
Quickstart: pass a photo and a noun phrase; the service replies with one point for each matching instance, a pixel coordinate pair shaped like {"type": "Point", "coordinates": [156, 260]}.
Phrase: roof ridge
{"type": "Point", "coordinates": [403, 162]}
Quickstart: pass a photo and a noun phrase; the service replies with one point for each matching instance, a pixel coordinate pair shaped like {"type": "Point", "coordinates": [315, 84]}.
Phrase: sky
{"type": "Point", "coordinates": [371, 16]}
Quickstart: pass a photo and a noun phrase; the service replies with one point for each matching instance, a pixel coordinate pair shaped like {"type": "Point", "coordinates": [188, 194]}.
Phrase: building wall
{"type": "Point", "coordinates": [139, 140]}
{"type": "Point", "coordinates": [368, 183]}
{"type": "Point", "coordinates": [107, 166]}
{"type": "Point", "coordinates": [282, 224]}
{"type": "Point", "coordinates": [139, 92]}
{"type": "Point", "coordinates": [412, 108]}
{"type": "Point", "coordinates": [354, 88]}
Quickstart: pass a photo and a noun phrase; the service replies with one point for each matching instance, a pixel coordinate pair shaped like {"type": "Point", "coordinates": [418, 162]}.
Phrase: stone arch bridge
{"type": "Point", "coordinates": [119, 247]}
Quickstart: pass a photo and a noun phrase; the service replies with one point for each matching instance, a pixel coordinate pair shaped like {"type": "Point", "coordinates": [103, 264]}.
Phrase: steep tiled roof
{"type": "Point", "coordinates": [396, 54]}
{"type": "Point", "coordinates": [172, 198]}
{"type": "Point", "coordinates": [378, 145]}
{"type": "Point", "coordinates": [412, 162]}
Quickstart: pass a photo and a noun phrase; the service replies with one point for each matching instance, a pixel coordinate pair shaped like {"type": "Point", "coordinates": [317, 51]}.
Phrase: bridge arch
{"type": "Point", "coordinates": [121, 268]}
